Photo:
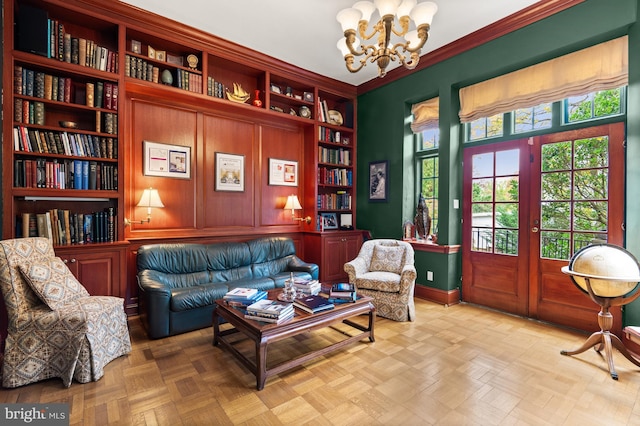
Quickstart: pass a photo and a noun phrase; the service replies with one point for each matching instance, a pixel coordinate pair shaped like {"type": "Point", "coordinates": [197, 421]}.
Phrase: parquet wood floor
{"type": "Point", "coordinates": [457, 365]}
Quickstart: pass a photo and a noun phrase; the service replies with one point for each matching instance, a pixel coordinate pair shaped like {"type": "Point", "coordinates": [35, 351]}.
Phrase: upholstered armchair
{"type": "Point", "coordinates": [55, 329]}
{"type": "Point", "coordinates": [384, 270]}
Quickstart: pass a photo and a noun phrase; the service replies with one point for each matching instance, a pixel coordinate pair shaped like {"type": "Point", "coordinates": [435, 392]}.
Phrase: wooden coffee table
{"type": "Point", "coordinates": [263, 334]}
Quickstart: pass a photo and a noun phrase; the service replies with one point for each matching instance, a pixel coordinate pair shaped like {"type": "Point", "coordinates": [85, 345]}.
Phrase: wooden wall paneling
{"type": "Point", "coordinates": [228, 208]}
{"type": "Point", "coordinates": [162, 123]}
{"type": "Point", "coordinates": [283, 144]}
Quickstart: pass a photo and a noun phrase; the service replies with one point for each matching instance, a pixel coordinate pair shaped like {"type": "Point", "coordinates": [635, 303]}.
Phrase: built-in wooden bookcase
{"type": "Point", "coordinates": [107, 86]}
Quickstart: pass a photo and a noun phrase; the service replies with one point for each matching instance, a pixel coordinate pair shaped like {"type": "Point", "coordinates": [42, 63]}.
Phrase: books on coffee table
{"type": "Point", "coordinates": [272, 311]}
{"type": "Point", "coordinates": [313, 303]}
{"type": "Point", "coordinates": [342, 292]}
{"type": "Point", "coordinates": [242, 297]}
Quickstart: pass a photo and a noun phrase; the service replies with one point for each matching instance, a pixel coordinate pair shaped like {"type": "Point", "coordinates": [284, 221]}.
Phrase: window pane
{"type": "Point", "coordinates": [590, 184]}
{"type": "Point", "coordinates": [482, 190]}
{"type": "Point", "coordinates": [482, 215]}
{"type": "Point", "coordinates": [508, 162]}
{"type": "Point", "coordinates": [506, 242]}
{"type": "Point", "coordinates": [430, 138]}
{"type": "Point", "coordinates": [591, 152]}
{"type": "Point", "coordinates": [482, 239]}
{"type": "Point", "coordinates": [482, 165]}
{"type": "Point", "coordinates": [556, 156]}
{"type": "Point", "coordinates": [578, 108]}
{"type": "Point", "coordinates": [506, 215]}
{"type": "Point", "coordinates": [495, 126]}
{"type": "Point", "coordinates": [507, 189]}
{"type": "Point", "coordinates": [590, 216]}
{"type": "Point", "coordinates": [593, 105]}
{"type": "Point", "coordinates": [555, 215]}
{"type": "Point", "coordinates": [478, 129]}
{"type": "Point", "coordinates": [556, 186]}
{"type": "Point", "coordinates": [529, 119]}
{"type": "Point", "coordinates": [581, 240]}
{"type": "Point", "coordinates": [555, 245]}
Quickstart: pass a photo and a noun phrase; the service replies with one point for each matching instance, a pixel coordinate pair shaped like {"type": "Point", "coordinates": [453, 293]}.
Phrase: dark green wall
{"type": "Point", "coordinates": [383, 132]}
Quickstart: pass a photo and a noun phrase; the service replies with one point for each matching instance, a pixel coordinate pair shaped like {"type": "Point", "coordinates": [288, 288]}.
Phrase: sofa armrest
{"type": "Point", "coordinates": [407, 278]}
{"type": "Point", "coordinates": [297, 264]}
{"type": "Point", "coordinates": [355, 267]}
{"type": "Point", "coordinates": [154, 299]}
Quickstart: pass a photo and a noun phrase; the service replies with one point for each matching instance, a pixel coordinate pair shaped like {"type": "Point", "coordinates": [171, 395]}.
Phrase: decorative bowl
{"type": "Point", "coordinates": [69, 124]}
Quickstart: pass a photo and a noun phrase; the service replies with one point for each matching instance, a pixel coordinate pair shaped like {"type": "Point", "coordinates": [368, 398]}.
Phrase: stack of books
{"type": "Point", "coordinates": [271, 311]}
{"type": "Point", "coordinates": [313, 303]}
{"type": "Point", "coordinates": [306, 287]}
{"type": "Point", "coordinates": [342, 293]}
{"type": "Point", "coordinates": [241, 297]}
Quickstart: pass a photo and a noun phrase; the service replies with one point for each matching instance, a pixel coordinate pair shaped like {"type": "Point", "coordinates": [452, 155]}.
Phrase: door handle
{"type": "Point", "coordinates": [534, 229]}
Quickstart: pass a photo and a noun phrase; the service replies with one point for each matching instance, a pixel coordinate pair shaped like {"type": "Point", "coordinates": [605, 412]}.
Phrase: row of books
{"type": "Point", "coordinates": [64, 227]}
{"type": "Point", "coordinates": [271, 311]}
{"type": "Point", "coordinates": [342, 293]}
{"type": "Point", "coordinates": [28, 112]}
{"type": "Point", "coordinates": [65, 174]}
{"type": "Point", "coordinates": [188, 81]}
{"type": "Point", "coordinates": [342, 177]}
{"type": "Point", "coordinates": [139, 68]}
{"type": "Point", "coordinates": [323, 110]}
{"type": "Point", "coordinates": [338, 201]}
{"type": "Point", "coordinates": [215, 88]}
{"type": "Point", "coordinates": [306, 287]}
{"type": "Point", "coordinates": [334, 156]}
{"type": "Point", "coordinates": [64, 143]}
{"type": "Point", "coordinates": [77, 50]}
{"type": "Point", "coordinates": [241, 297]}
{"type": "Point", "coordinates": [326, 134]}
{"type": "Point", "coordinates": [38, 84]}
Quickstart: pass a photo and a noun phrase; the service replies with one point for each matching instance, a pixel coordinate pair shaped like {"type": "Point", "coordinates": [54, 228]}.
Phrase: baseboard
{"type": "Point", "coordinates": [443, 297]}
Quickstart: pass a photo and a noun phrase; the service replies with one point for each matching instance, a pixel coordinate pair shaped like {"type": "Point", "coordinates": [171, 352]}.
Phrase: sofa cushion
{"type": "Point", "coordinates": [379, 281]}
{"type": "Point", "coordinates": [173, 258]}
{"type": "Point", "coordinates": [387, 259]}
{"type": "Point", "coordinates": [53, 282]}
{"type": "Point", "coordinates": [186, 298]}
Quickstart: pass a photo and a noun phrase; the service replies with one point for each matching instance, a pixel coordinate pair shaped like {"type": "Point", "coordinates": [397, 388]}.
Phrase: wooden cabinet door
{"type": "Point", "coordinates": [99, 271]}
{"type": "Point", "coordinates": [333, 262]}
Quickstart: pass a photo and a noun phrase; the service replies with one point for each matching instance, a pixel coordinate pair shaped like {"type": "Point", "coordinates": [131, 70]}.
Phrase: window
{"type": "Point", "coordinates": [486, 127]}
{"type": "Point", "coordinates": [429, 187]}
{"type": "Point", "coordinates": [430, 139]}
{"type": "Point", "coordinates": [530, 119]}
{"type": "Point", "coordinates": [592, 105]}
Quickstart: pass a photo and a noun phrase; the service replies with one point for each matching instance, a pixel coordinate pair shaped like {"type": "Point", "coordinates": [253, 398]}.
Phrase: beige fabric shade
{"type": "Point", "coordinates": [425, 115]}
{"type": "Point", "coordinates": [600, 67]}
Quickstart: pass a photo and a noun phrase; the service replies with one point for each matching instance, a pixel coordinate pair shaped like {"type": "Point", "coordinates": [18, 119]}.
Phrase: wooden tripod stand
{"type": "Point", "coordinates": [604, 339]}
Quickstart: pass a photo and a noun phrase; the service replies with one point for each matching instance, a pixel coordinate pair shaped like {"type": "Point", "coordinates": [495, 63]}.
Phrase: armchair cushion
{"type": "Point", "coordinates": [387, 259]}
{"type": "Point", "coordinates": [53, 282]}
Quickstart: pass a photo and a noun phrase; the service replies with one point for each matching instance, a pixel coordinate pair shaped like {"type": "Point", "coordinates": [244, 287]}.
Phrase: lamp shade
{"type": "Point", "coordinates": [405, 8]}
{"type": "Point", "coordinates": [292, 203]}
{"type": "Point", "coordinates": [367, 8]}
{"type": "Point", "coordinates": [150, 198]}
{"type": "Point", "coordinates": [423, 13]}
{"type": "Point", "coordinates": [349, 18]}
{"type": "Point", "coordinates": [387, 7]}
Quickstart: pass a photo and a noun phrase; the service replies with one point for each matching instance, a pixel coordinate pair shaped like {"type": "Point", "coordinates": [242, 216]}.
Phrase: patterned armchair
{"type": "Point", "coordinates": [55, 328]}
{"type": "Point", "coordinates": [384, 270]}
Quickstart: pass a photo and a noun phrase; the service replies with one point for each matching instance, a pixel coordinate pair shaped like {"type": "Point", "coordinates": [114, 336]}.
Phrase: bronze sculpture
{"type": "Point", "coordinates": [422, 220]}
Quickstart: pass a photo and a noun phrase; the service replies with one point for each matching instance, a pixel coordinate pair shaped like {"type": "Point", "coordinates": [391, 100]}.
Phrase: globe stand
{"type": "Point", "coordinates": [604, 339]}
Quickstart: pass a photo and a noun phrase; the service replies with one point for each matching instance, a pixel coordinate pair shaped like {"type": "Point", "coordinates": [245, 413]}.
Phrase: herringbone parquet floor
{"type": "Point", "coordinates": [458, 365]}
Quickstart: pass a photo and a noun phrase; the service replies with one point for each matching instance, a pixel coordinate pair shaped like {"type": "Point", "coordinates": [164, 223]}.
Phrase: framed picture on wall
{"type": "Point", "coordinates": [229, 172]}
{"type": "Point", "coordinates": [283, 172]}
{"type": "Point", "coordinates": [167, 160]}
{"type": "Point", "coordinates": [378, 181]}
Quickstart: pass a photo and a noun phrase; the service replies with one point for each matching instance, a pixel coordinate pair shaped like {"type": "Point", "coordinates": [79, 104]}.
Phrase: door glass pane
{"type": "Point", "coordinates": [555, 186]}
{"type": "Point", "coordinates": [508, 162]}
{"type": "Point", "coordinates": [556, 156]}
{"type": "Point", "coordinates": [482, 165]}
{"type": "Point", "coordinates": [482, 190]}
{"type": "Point", "coordinates": [591, 152]}
{"type": "Point", "coordinates": [555, 245]}
{"type": "Point", "coordinates": [506, 241]}
{"type": "Point", "coordinates": [481, 239]}
{"type": "Point", "coordinates": [590, 216]}
{"type": "Point", "coordinates": [507, 188]}
{"type": "Point", "coordinates": [556, 215]}
{"type": "Point", "coordinates": [506, 215]}
{"type": "Point", "coordinates": [591, 184]}
{"type": "Point", "coordinates": [482, 215]}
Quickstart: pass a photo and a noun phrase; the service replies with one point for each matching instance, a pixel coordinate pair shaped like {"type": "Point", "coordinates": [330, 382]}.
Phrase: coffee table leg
{"type": "Point", "coordinates": [216, 327]}
{"type": "Point", "coordinates": [261, 367]}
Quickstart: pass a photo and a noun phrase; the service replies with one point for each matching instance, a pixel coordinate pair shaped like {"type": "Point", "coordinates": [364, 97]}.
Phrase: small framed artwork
{"type": "Point", "coordinates": [136, 46]}
{"type": "Point", "coordinates": [167, 160]}
{"type": "Point", "coordinates": [161, 55]}
{"type": "Point", "coordinates": [308, 96]}
{"type": "Point", "coordinates": [378, 181]}
{"type": "Point", "coordinates": [329, 221]}
{"type": "Point", "coordinates": [229, 172]}
{"type": "Point", "coordinates": [151, 52]}
{"type": "Point", "coordinates": [175, 59]}
{"type": "Point", "coordinates": [283, 172]}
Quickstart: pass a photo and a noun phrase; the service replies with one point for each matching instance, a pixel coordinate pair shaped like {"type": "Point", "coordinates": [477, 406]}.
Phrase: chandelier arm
{"type": "Point", "coordinates": [404, 26]}
{"type": "Point", "coordinates": [415, 58]}
{"type": "Point", "coordinates": [362, 29]}
{"type": "Point", "coordinates": [350, 38]}
{"type": "Point", "coordinates": [423, 35]}
{"type": "Point", "coordinates": [350, 60]}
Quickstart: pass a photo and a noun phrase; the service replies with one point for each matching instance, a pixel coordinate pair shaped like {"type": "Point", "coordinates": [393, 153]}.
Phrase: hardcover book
{"type": "Point", "coordinates": [313, 303]}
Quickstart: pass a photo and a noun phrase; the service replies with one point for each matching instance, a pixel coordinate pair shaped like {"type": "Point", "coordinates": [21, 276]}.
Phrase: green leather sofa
{"type": "Point", "coordinates": [179, 283]}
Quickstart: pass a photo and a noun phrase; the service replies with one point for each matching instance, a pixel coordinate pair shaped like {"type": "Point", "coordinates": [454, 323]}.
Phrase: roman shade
{"type": "Point", "coordinates": [425, 115]}
{"type": "Point", "coordinates": [600, 67]}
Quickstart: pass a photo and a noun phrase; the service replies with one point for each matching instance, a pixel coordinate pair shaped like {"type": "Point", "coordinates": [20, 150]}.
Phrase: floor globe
{"type": "Point", "coordinates": [609, 275]}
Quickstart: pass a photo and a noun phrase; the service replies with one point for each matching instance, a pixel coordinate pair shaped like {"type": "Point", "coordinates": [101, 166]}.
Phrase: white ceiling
{"type": "Point", "coordinates": [305, 32]}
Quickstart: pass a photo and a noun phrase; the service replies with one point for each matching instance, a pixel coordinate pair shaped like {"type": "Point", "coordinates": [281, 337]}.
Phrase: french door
{"type": "Point", "coordinates": [529, 204]}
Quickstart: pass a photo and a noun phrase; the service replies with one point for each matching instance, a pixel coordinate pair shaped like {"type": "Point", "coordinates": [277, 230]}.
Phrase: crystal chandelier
{"type": "Point", "coordinates": [406, 51]}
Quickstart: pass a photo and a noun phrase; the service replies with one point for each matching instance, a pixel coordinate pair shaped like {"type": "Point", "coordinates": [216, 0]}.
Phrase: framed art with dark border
{"type": "Point", "coordinates": [283, 172]}
{"type": "Point", "coordinates": [229, 172]}
{"type": "Point", "coordinates": [329, 221]}
{"type": "Point", "coordinates": [167, 160]}
{"type": "Point", "coordinates": [378, 181]}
